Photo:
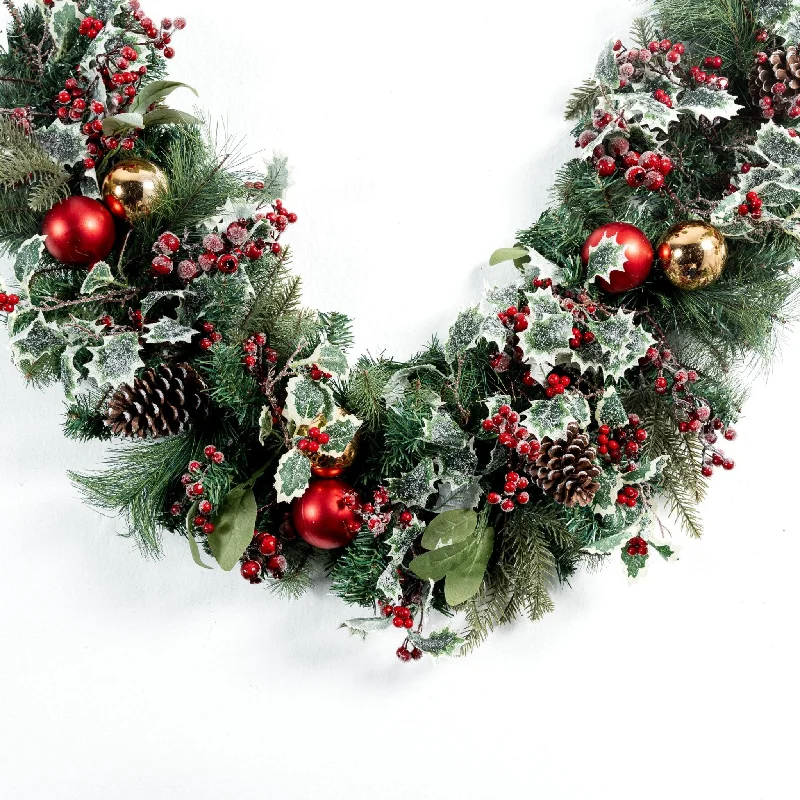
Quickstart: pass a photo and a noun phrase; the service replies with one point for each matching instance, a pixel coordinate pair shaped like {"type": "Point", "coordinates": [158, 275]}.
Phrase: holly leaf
{"type": "Point", "coordinates": [70, 374]}
{"type": "Point", "coordinates": [364, 625]}
{"type": "Point", "coordinates": [398, 385]}
{"type": "Point", "coordinates": [455, 495]}
{"type": "Point", "coordinates": [329, 358]}
{"type": "Point", "coordinates": [415, 487]}
{"type": "Point", "coordinates": [307, 399]}
{"type": "Point", "coordinates": [193, 547]}
{"type": "Point", "coordinates": [647, 470]}
{"type": "Point", "coordinates": [643, 108]}
{"type": "Point", "coordinates": [65, 19]}
{"type": "Point", "coordinates": [459, 463]}
{"type": "Point", "coordinates": [341, 431]}
{"type": "Point", "coordinates": [463, 333]}
{"type": "Point", "coordinates": [150, 300]}
{"type": "Point", "coordinates": [292, 476]}
{"type": "Point", "coordinates": [234, 525]}
{"type": "Point", "coordinates": [264, 424]}
{"type": "Point", "coordinates": [501, 296]}
{"type": "Point", "coordinates": [605, 257]}
{"type": "Point", "coordinates": [633, 564]}
{"type": "Point", "coordinates": [116, 361]}
{"type": "Point", "coordinates": [449, 528]}
{"type": "Point", "coordinates": [606, 71]}
{"type": "Point", "coordinates": [541, 267]}
{"type": "Point", "coordinates": [442, 642]}
{"type": "Point", "coordinates": [168, 330]}
{"type": "Point", "coordinates": [65, 144]}
{"type": "Point", "coordinates": [608, 544]}
{"type": "Point", "coordinates": [610, 410]}
{"type": "Point", "coordinates": [713, 104]}
{"type": "Point", "coordinates": [442, 431]}
{"type": "Point", "coordinates": [196, 300]}
{"type": "Point", "coordinates": [605, 500]}
{"type": "Point", "coordinates": [399, 543]}
{"type": "Point", "coordinates": [664, 550]}
{"type": "Point", "coordinates": [775, 145]}
{"type": "Point", "coordinates": [622, 342]}
{"type": "Point", "coordinates": [462, 565]}
{"type": "Point", "coordinates": [507, 254]}
{"type": "Point", "coordinates": [547, 336]}
{"type": "Point", "coordinates": [98, 276]}
{"type": "Point", "coordinates": [37, 339]}
{"type": "Point", "coordinates": [156, 92]}
{"type": "Point", "coordinates": [28, 259]}
{"type": "Point", "coordinates": [551, 418]}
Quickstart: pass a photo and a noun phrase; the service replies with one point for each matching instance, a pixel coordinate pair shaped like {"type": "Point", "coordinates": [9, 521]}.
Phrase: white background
{"type": "Point", "coordinates": [422, 135]}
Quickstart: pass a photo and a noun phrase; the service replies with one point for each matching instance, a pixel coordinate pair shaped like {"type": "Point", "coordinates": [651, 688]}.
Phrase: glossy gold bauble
{"type": "Point", "coordinates": [693, 255]}
{"type": "Point", "coordinates": [132, 187]}
{"type": "Point", "coordinates": [325, 466]}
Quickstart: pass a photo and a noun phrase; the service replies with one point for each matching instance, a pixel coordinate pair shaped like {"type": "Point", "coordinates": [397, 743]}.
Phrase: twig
{"type": "Point", "coordinates": [118, 296]}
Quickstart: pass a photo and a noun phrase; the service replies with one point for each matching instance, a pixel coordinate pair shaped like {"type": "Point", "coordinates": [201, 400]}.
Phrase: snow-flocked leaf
{"type": "Point", "coordinates": [341, 431]}
{"type": "Point", "coordinates": [65, 19]}
{"type": "Point", "coordinates": [399, 543]}
{"type": "Point", "coordinates": [442, 431]}
{"type": "Point", "coordinates": [399, 384]}
{"type": "Point", "coordinates": [264, 424]}
{"type": "Point", "coordinates": [116, 361]}
{"type": "Point", "coordinates": [605, 257]}
{"type": "Point", "coordinates": [150, 300]}
{"type": "Point", "coordinates": [328, 357]}
{"type": "Point", "coordinates": [605, 500]}
{"type": "Point", "coordinates": [643, 108]}
{"type": "Point", "coordinates": [633, 564]}
{"type": "Point", "coordinates": [38, 338]}
{"type": "Point", "coordinates": [306, 399]}
{"type": "Point", "coordinates": [552, 417]}
{"type": "Point", "coordinates": [709, 103]}
{"type": "Point", "coordinates": [27, 260]}
{"type": "Point", "coordinates": [455, 495]}
{"type": "Point", "coordinates": [364, 625]}
{"type": "Point", "coordinates": [168, 330]}
{"type": "Point", "coordinates": [65, 144]}
{"type": "Point", "coordinates": [415, 487]}
{"type": "Point", "coordinates": [608, 544]}
{"type": "Point", "coordinates": [463, 333]}
{"type": "Point", "coordinates": [439, 643]}
{"type": "Point", "coordinates": [610, 410]}
{"type": "Point", "coordinates": [606, 71]}
{"type": "Point", "coordinates": [292, 476]}
{"type": "Point", "coordinates": [99, 276]}
{"type": "Point", "coordinates": [70, 374]}
{"type": "Point", "coordinates": [646, 470]}
{"type": "Point", "coordinates": [623, 343]}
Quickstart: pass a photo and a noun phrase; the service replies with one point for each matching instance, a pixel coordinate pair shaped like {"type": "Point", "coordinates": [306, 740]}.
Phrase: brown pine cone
{"type": "Point", "coordinates": [566, 469]}
{"type": "Point", "coordinates": [162, 402]}
{"type": "Point", "coordinates": [781, 67]}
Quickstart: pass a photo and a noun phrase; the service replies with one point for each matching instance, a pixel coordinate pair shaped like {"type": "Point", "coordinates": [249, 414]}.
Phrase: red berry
{"type": "Point", "coordinates": [606, 166]}
{"type": "Point", "coordinates": [635, 176]}
{"type": "Point", "coordinates": [250, 570]}
{"type": "Point", "coordinates": [162, 265]}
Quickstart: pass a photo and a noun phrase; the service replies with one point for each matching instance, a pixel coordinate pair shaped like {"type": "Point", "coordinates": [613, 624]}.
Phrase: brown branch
{"type": "Point", "coordinates": [9, 79]}
{"type": "Point", "coordinates": [118, 296]}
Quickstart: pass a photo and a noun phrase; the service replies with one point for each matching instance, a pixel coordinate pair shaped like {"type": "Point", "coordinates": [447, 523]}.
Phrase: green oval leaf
{"type": "Point", "coordinates": [507, 254]}
{"type": "Point", "coordinates": [235, 524]}
{"type": "Point", "coordinates": [190, 535]}
{"type": "Point", "coordinates": [448, 528]}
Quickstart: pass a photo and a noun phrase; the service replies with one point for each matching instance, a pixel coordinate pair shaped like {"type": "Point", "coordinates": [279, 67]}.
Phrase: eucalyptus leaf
{"type": "Point", "coordinates": [169, 116]}
{"type": "Point", "coordinates": [507, 254]}
{"type": "Point", "coordinates": [156, 92]}
{"type": "Point", "coordinates": [235, 524]}
{"type": "Point", "coordinates": [448, 528]}
{"type": "Point", "coordinates": [122, 122]}
{"type": "Point", "coordinates": [190, 536]}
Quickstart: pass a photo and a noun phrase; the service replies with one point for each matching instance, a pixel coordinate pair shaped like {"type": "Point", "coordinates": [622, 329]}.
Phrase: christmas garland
{"type": "Point", "coordinates": [563, 421]}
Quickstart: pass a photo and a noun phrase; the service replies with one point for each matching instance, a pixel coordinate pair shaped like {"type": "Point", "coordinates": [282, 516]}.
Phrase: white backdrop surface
{"type": "Point", "coordinates": [422, 136]}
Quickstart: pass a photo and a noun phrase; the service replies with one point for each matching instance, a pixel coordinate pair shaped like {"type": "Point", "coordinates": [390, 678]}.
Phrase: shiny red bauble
{"type": "Point", "coordinates": [321, 516]}
{"type": "Point", "coordinates": [79, 231]}
{"type": "Point", "coordinates": [638, 254]}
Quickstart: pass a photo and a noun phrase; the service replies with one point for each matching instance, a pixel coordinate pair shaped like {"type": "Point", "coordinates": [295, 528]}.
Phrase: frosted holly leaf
{"type": "Point", "coordinates": [37, 339]}
{"type": "Point", "coordinates": [647, 470]}
{"type": "Point", "coordinates": [606, 71]}
{"type": "Point", "coordinates": [502, 296]}
{"type": "Point", "coordinates": [726, 217]}
{"type": "Point", "coordinates": [264, 424]}
{"type": "Point", "coordinates": [463, 333]}
{"type": "Point", "coordinates": [276, 177]}
{"type": "Point", "coordinates": [65, 144]}
{"type": "Point", "coordinates": [342, 430]}
{"type": "Point", "coordinates": [443, 642]}
{"type": "Point", "coordinates": [105, 9]}
{"type": "Point", "coordinates": [610, 410]}
{"type": "Point", "coordinates": [455, 496]}
{"type": "Point", "coordinates": [551, 418]}
{"type": "Point", "coordinates": [783, 17]}
{"type": "Point", "coordinates": [494, 331]}
{"type": "Point", "coordinates": [713, 104]}
{"type": "Point", "coordinates": [644, 108]}
{"type": "Point", "coordinates": [605, 257]}
{"type": "Point", "coordinates": [633, 564]}
{"type": "Point", "coordinates": [415, 487]}
{"type": "Point", "coordinates": [116, 361]}
{"type": "Point", "coordinates": [70, 374]}
{"type": "Point", "coordinates": [458, 463]}
{"type": "Point", "coordinates": [399, 543]}
{"type": "Point", "coordinates": [774, 144]}
{"type": "Point", "coordinates": [394, 392]}
{"type": "Point", "coordinates": [28, 259]}
{"type": "Point", "coordinates": [292, 476]}
{"type": "Point", "coordinates": [588, 357]}
{"type": "Point", "coordinates": [775, 195]}
{"type": "Point", "coordinates": [605, 500]}
{"type": "Point", "coordinates": [152, 298]}
{"type": "Point", "coordinates": [546, 339]}
{"type": "Point", "coordinates": [194, 301]}
{"type": "Point", "coordinates": [65, 19]}
{"type": "Point", "coordinates": [542, 303]}
{"type": "Point", "coordinates": [608, 544]}
{"type": "Point", "coordinates": [232, 211]}
{"type": "Point", "coordinates": [443, 431]}
{"type": "Point", "coordinates": [89, 186]}
{"type": "Point", "coordinates": [541, 267]}
{"type": "Point", "coordinates": [494, 402]}
{"type": "Point", "coordinates": [328, 357]}
{"type": "Point", "coordinates": [98, 277]}
{"type": "Point", "coordinates": [620, 336]}
{"type": "Point", "coordinates": [168, 330]}
{"type": "Point", "coordinates": [307, 399]}
{"type": "Point", "coordinates": [364, 625]}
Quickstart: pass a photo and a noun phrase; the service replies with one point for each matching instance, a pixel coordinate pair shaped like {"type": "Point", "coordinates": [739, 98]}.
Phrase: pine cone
{"type": "Point", "coordinates": [566, 469]}
{"type": "Point", "coordinates": [163, 402]}
{"type": "Point", "coordinates": [782, 66]}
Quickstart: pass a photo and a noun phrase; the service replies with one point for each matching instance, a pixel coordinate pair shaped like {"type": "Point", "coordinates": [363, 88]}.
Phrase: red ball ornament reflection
{"type": "Point", "coordinates": [79, 231]}
{"type": "Point", "coordinates": [638, 255]}
{"type": "Point", "coordinates": [321, 516]}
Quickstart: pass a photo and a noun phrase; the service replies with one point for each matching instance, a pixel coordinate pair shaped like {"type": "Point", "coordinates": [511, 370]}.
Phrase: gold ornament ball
{"type": "Point", "coordinates": [693, 255]}
{"type": "Point", "coordinates": [132, 187]}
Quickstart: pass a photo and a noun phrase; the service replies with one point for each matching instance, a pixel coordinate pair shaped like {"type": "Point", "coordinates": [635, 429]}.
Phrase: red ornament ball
{"type": "Point", "coordinates": [79, 231]}
{"type": "Point", "coordinates": [638, 253]}
{"type": "Point", "coordinates": [322, 518]}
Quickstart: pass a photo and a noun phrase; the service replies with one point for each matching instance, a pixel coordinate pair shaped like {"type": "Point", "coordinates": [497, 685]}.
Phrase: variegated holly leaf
{"type": "Point", "coordinates": [399, 543]}
{"type": "Point", "coordinates": [264, 424]}
{"type": "Point", "coordinates": [775, 145]}
{"type": "Point", "coordinates": [63, 23]}
{"type": "Point", "coordinates": [606, 71]}
{"type": "Point", "coordinates": [65, 144]}
{"type": "Point", "coordinates": [437, 644]}
{"type": "Point", "coordinates": [38, 338]}
{"type": "Point", "coordinates": [781, 17]}
{"type": "Point", "coordinates": [605, 500]}
{"type": "Point", "coordinates": [196, 300]}
{"type": "Point", "coordinates": [415, 487]}
{"type": "Point", "coordinates": [458, 464]}
{"type": "Point", "coordinates": [70, 374]}
{"type": "Point", "coordinates": [328, 357]}
{"type": "Point", "coordinates": [633, 564]}
{"type": "Point", "coordinates": [713, 104]}
{"type": "Point", "coordinates": [116, 361]}
{"type": "Point", "coordinates": [292, 476]}
{"type": "Point", "coordinates": [442, 431]}
{"type": "Point", "coordinates": [341, 431]}
{"type": "Point", "coordinates": [458, 496]}
{"type": "Point", "coordinates": [622, 341]}
{"type": "Point", "coordinates": [608, 544]}
{"type": "Point", "coordinates": [150, 300]}
{"type": "Point", "coordinates": [27, 261]}
{"type": "Point", "coordinates": [494, 332]}
{"type": "Point", "coordinates": [98, 277]}
{"type": "Point", "coordinates": [494, 402]}
{"type": "Point", "coordinates": [276, 177]}
{"type": "Point", "coordinates": [605, 257]}
{"type": "Point", "coordinates": [168, 330]}
{"type": "Point", "coordinates": [610, 410]}
{"type": "Point", "coordinates": [463, 333]}
{"type": "Point", "coordinates": [541, 267]}
{"type": "Point", "coordinates": [646, 470]}
{"type": "Point", "coordinates": [643, 108]}
{"type": "Point", "coordinates": [667, 552]}
{"type": "Point", "coordinates": [307, 399]}
{"type": "Point", "coordinates": [547, 338]}
{"type": "Point", "coordinates": [364, 625]}
{"type": "Point", "coordinates": [399, 384]}
{"type": "Point", "coordinates": [232, 211]}
{"type": "Point", "coordinates": [551, 418]}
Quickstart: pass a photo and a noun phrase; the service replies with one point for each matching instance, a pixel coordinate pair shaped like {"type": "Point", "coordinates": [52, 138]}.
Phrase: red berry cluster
{"type": "Point", "coordinates": [192, 481]}
{"type": "Point", "coordinates": [280, 217]}
{"type": "Point", "coordinates": [212, 335]}
{"type": "Point", "coordinates": [663, 361]}
{"type": "Point", "coordinates": [556, 384]}
{"type": "Point", "coordinates": [649, 170]}
{"type": "Point", "coordinates": [259, 185]}
{"type": "Point", "coordinates": [580, 338]}
{"type": "Point", "coordinates": [313, 440]}
{"type": "Point", "coordinates": [256, 353]}
{"type": "Point", "coordinates": [542, 283]}
{"type": "Point", "coordinates": [317, 374]}
{"type": "Point", "coordinates": [161, 35]}
{"type": "Point", "coordinates": [376, 515]}
{"type": "Point", "coordinates": [90, 27]}
{"type": "Point", "coordinates": [263, 554]}
{"type": "Point", "coordinates": [626, 440]}
{"type": "Point", "coordinates": [402, 616]}
{"type": "Point", "coordinates": [514, 493]}
{"type": "Point", "coordinates": [510, 434]}
{"type": "Point", "coordinates": [405, 655]}
{"type": "Point", "coordinates": [629, 496]}
{"type": "Point", "coordinates": [636, 546]}
{"type": "Point", "coordinates": [516, 319]}
{"type": "Point", "coordinates": [706, 76]}
{"type": "Point", "coordinates": [8, 302]}
{"type": "Point", "coordinates": [752, 206]}
{"type": "Point", "coordinates": [663, 97]}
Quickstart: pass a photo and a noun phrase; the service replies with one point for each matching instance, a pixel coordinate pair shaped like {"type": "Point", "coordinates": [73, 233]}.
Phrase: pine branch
{"type": "Point", "coordinates": [583, 100]}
